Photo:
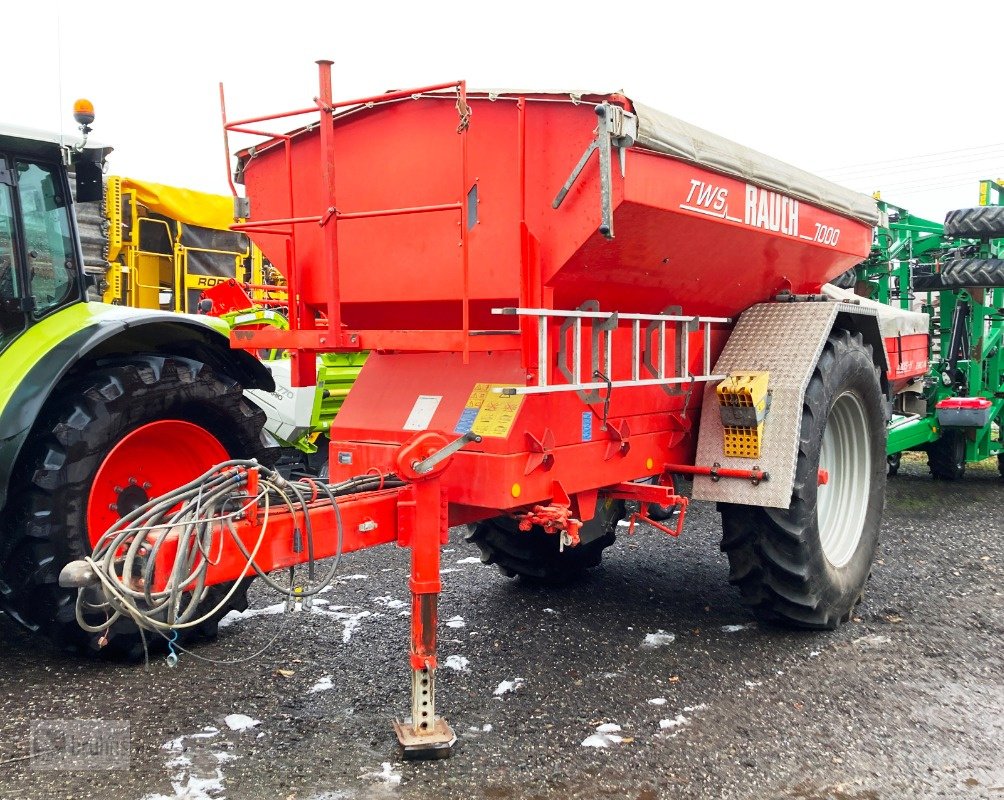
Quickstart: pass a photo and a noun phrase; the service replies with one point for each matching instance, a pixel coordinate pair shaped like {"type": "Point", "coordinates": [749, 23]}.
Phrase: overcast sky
{"type": "Point", "coordinates": [893, 96]}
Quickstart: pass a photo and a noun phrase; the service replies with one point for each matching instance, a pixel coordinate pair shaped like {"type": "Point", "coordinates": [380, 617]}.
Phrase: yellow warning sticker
{"type": "Point", "coordinates": [490, 413]}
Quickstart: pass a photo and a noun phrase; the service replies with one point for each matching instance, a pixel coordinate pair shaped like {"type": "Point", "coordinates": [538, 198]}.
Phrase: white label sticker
{"type": "Point", "coordinates": [422, 411]}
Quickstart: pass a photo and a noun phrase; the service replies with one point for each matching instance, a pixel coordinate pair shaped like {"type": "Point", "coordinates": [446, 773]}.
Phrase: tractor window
{"type": "Point", "coordinates": [12, 319]}
{"type": "Point", "coordinates": [45, 210]}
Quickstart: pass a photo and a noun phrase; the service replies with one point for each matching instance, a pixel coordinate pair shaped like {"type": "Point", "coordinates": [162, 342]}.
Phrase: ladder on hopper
{"type": "Point", "coordinates": [649, 364]}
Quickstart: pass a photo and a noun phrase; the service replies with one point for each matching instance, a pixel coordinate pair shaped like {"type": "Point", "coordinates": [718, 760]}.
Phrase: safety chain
{"type": "Point", "coordinates": [464, 112]}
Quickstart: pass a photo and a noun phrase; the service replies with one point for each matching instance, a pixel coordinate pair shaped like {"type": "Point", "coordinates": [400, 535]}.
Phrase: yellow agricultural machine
{"type": "Point", "coordinates": [152, 246]}
{"type": "Point", "coordinates": [157, 246]}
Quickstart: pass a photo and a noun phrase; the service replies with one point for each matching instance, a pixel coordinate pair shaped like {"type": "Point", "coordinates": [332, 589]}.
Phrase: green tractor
{"type": "Point", "coordinates": [101, 406]}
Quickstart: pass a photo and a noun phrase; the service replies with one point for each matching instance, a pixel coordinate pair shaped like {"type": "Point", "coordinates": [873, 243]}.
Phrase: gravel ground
{"type": "Point", "coordinates": [905, 701]}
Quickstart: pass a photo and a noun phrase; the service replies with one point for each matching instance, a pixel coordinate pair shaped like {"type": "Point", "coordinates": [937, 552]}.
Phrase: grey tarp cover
{"type": "Point", "coordinates": [661, 133]}
{"type": "Point", "coordinates": [674, 137]}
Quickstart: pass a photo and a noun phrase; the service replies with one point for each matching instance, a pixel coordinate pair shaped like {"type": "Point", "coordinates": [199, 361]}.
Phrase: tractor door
{"type": "Point", "coordinates": [44, 197]}
{"type": "Point", "coordinates": [13, 317]}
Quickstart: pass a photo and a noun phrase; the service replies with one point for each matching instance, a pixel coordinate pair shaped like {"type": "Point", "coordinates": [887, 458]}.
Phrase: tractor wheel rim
{"type": "Point", "coordinates": [148, 461]}
{"type": "Point", "coordinates": [842, 502]}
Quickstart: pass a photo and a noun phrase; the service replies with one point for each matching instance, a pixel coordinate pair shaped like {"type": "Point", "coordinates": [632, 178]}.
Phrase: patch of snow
{"type": "Point", "coordinates": [350, 622]}
{"type": "Point", "coordinates": [195, 789]}
{"type": "Point", "coordinates": [658, 639]}
{"type": "Point", "coordinates": [322, 685]}
{"type": "Point", "coordinates": [698, 707]}
{"type": "Point", "coordinates": [386, 774]}
{"type": "Point", "coordinates": [736, 628]}
{"type": "Point", "coordinates": [186, 781]}
{"type": "Point", "coordinates": [486, 728]}
{"type": "Point", "coordinates": [207, 732]}
{"type": "Point", "coordinates": [469, 560]}
{"type": "Point", "coordinates": [389, 602]}
{"type": "Point", "coordinates": [657, 701]}
{"type": "Point", "coordinates": [455, 622]}
{"type": "Point", "coordinates": [677, 722]}
{"type": "Point", "coordinates": [814, 654]}
{"type": "Point", "coordinates": [240, 722]}
{"type": "Point", "coordinates": [353, 577]}
{"type": "Point", "coordinates": [508, 686]}
{"type": "Point", "coordinates": [459, 663]}
{"type": "Point", "coordinates": [606, 735]}
{"type": "Point", "coordinates": [550, 611]}
{"type": "Point", "coordinates": [609, 675]}
{"type": "Point", "coordinates": [447, 570]}
{"type": "Point", "coordinates": [753, 684]}
{"type": "Point", "coordinates": [236, 616]}
{"type": "Point", "coordinates": [872, 640]}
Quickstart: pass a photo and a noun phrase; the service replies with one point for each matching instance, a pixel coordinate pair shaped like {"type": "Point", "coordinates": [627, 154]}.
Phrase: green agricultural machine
{"type": "Point", "coordinates": [101, 406]}
{"type": "Point", "coordinates": [954, 272]}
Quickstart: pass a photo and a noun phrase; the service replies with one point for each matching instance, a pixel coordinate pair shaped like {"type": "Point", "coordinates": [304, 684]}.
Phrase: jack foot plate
{"type": "Point", "coordinates": [436, 743]}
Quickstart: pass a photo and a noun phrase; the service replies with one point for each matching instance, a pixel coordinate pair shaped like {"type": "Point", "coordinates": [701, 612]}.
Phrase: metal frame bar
{"type": "Point", "coordinates": [560, 314]}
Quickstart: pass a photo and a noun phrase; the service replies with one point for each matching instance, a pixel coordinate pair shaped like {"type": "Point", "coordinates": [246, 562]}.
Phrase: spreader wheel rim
{"type": "Point", "coordinates": [148, 461]}
{"type": "Point", "coordinates": [842, 502]}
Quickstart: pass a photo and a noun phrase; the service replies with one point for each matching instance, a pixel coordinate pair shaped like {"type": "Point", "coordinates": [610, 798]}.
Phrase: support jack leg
{"type": "Point", "coordinates": [424, 735]}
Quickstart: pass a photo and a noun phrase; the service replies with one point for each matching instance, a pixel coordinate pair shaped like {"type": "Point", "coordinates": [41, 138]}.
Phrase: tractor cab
{"type": "Point", "coordinates": [41, 268]}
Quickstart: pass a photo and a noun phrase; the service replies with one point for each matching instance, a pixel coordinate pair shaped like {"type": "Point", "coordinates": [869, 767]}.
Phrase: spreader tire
{"type": "Point", "coordinates": [846, 280]}
{"type": "Point", "coordinates": [982, 222]}
{"type": "Point", "coordinates": [946, 457]}
{"type": "Point", "coordinates": [536, 555]}
{"type": "Point", "coordinates": [74, 438]}
{"type": "Point", "coordinates": [807, 565]}
{"type": "Point", "coordinates": [963, 273]}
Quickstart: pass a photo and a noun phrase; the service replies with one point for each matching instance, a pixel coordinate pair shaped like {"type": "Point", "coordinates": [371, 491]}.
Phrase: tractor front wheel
{"type": "Point", "coordinates": [807, 565]}
{"type": "Point", "coordinates": [109, 439]}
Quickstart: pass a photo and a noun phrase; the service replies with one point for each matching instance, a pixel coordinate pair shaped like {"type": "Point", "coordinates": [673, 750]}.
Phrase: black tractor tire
{"type": "Point", "coordinates": [45, 524]}
{"type": "Point", "coordinates": [982, 222]}
{"type": "Point", "coordinates": [535, 555]}
{"type": "Point", "coordinates": [846, 280]}
{"type": "Point", "coordinates": [1000, 464]}
{"type": "Point", "coordinates": [963, 273]}
{"type": "Point", "coordinates": [682, 485]}
{"type": "Point", "coordinates": [946, 458]}
{"type": "Point", "coordinates": [892, 464]}
{"type": "Point", "coordinates": [777, 557]}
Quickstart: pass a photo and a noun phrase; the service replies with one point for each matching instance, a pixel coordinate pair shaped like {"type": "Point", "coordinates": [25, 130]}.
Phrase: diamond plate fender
{"type": "Point", "coordinates": [785, 339]}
